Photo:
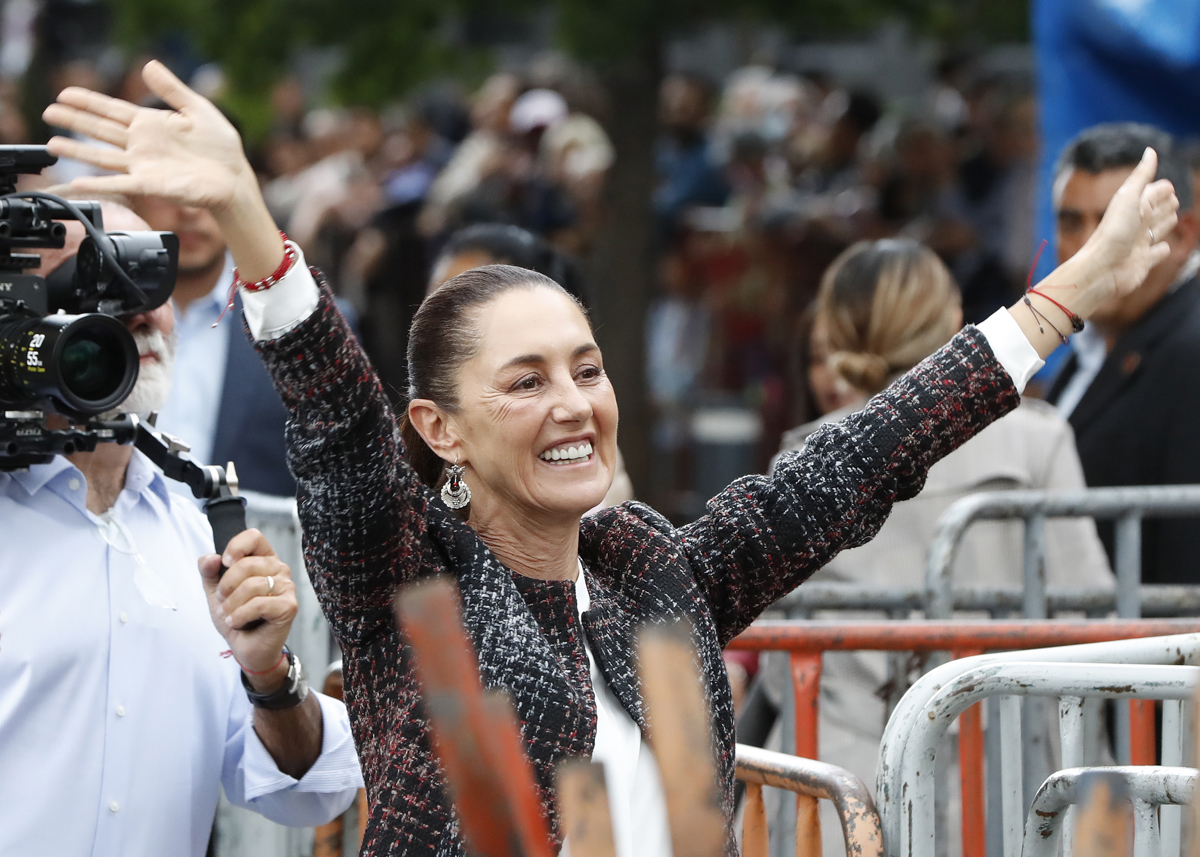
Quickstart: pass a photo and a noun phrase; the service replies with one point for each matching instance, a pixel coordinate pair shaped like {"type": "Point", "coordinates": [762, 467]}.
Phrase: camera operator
{"type": "Point", "coordinates": [122, 710]}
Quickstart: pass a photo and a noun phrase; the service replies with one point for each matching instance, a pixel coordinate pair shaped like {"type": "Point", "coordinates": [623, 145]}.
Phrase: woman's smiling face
{"type": "Point", "coordinates": [537, 416]}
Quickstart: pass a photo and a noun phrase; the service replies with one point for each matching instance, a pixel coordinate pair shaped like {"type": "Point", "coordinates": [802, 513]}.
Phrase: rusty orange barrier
{"type": "Point", "coordinates": [806, 641]}
{"type": "Point", "coordinates": [475, 732]}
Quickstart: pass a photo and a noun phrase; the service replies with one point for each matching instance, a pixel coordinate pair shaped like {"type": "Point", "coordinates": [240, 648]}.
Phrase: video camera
{"type": "Point", "coordinates": [63, 347]}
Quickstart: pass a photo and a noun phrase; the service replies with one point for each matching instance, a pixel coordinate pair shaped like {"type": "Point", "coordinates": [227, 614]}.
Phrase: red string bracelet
{"type": "Point", "coordinates": [290, 254]}
{"type": "Point", "coordinates": [1076, 321]}
{"type": "Point", "coordinates": [228, 653]}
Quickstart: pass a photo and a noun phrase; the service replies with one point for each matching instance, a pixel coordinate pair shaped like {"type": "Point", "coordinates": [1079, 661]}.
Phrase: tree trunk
{"type": "Point", "coordinates": [623, 261]}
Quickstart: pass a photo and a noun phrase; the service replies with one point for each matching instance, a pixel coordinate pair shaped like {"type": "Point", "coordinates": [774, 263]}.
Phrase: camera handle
{"type": "Point", "coordinates": [217, 486]}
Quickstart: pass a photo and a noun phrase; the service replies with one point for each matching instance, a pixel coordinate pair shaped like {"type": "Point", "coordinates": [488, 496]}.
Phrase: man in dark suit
{"type": "Point", "coordinates": [222, 402]}
{"type": "Point", "coordinates": [1131, 389]}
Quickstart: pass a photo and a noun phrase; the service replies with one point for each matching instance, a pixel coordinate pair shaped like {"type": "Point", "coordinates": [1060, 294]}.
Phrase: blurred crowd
{"type": "Point", "coordinates": [762, 179]}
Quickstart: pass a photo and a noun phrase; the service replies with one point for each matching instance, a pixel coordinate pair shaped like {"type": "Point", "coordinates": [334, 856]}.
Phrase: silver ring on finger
{"type": "Point", "coordinates": [270, 584]}
{"type": "Point", "coordinates": [1151, 231]}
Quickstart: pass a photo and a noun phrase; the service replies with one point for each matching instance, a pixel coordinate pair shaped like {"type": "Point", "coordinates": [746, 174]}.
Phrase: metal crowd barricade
{"type": "Point", "coordinates": [1173, 650]}
{"type": "Point", "coordinates": [1156, 600]}
{"type": "Point", "coordinates": [938, 598]}
{"type": "Point", "coordinates": [805, 642]}
{"type": "Point", "coordinates": [1148, 788]}
{"type": "Point", "coordinates": [816, 780]}
{"type": "Point", "coordinates": [1009, 681]}
{"type": "Point", "coordinates": [1128, 506]}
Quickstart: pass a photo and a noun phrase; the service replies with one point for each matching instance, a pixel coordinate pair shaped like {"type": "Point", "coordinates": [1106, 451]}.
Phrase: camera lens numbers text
{"type": "Point", "coordinates": [32, 358]}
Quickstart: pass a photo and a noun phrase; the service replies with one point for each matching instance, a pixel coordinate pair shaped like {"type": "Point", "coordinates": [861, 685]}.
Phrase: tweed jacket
{"type": "Point", "coordinates": [371, 525]}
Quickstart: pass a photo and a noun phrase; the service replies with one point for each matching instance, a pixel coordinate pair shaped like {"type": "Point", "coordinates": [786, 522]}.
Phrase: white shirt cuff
{"type": "Point", "coordinates": [1012, 348]}
{"type": "Point", "coordinates": [336, 769]}
{"type": "Point", "coordinates": [272, 313]}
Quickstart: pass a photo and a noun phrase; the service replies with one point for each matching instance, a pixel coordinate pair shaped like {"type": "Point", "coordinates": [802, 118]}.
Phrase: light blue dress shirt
{"type": "Point", "coordinates": [120, 717]}
{"type": "Point", "coordinates": [191, 409]}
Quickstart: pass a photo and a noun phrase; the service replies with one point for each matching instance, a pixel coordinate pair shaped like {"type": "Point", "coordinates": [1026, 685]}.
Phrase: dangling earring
{"type": "Point", "coordinates": [455, 491]}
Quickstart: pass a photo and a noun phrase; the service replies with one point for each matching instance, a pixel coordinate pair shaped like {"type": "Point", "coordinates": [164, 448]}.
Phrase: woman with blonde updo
{"type": "Point", "coordinates": [885, 306]}
{"type": "Point", "coordinates": [882, 308]}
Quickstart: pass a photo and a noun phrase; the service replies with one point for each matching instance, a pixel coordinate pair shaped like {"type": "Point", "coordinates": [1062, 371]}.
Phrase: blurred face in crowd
{"type": "Point", "coordinates": [494, 102]}
{"type": "Point", "coordinates": [201, 246]}
{"type": "Point", "coordinates": [537, 416]}
{"type": "Point", "coordinates": [154, 331]}
{"type": "Point", "coordinates": [1081, 199]}
{"type": "Point", "coordinates": [683, 104]}
{"type": "Point", "coordinates": [451, 266]}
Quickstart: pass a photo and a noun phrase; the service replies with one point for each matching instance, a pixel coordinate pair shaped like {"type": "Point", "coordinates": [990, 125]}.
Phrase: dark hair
{"type": "Point", "coordinates": [1120, 144]}
{"type": "Point", "coordinates": [862, 111]}
{"type": "Point", "coordinates": [443, 337]}
{"type": "Point", "coordinates": [512, 245]}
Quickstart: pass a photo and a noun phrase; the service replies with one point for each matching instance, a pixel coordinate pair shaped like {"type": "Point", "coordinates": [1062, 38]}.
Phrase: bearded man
{"type": "Point", "coordinates": [122, 708]}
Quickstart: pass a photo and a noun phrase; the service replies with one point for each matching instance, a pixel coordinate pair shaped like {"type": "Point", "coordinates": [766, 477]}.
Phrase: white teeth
{"type": "Point", "coordinates": [567, 453]}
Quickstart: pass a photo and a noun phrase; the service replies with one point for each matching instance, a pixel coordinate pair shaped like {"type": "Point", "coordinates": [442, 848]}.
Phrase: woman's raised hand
{"type": "Point", "coordinates": [1130, 240]}
{"type": "Point", "coordinates": [190, 155]}
{"type": "Point", "coordinates": [1131, 237]}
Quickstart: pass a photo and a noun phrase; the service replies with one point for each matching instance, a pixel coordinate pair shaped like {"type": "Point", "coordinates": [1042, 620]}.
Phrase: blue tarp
{"type": "Point", "coordinates": [1112, 61]}
{"type": "Point", "coordinates": [1109, 61]}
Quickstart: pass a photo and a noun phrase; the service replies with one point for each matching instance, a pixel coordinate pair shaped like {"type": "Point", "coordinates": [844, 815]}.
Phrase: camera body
{"type": "Point", "coordinates": [63, 346]}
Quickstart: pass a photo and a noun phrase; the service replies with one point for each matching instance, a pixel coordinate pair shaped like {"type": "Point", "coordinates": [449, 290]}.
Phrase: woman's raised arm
{"type": "Point", "coordinates": [763, 536]}
{"type": "Point", "coordinates": [362, 507]}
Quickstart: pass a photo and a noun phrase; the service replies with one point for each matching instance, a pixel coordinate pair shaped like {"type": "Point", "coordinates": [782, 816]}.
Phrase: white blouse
{"type": "Point", "coordinates": [635, 795]}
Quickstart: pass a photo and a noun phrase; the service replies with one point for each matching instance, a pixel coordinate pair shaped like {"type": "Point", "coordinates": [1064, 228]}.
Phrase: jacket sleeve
{"type": "Point", "coordinates": [361, 506]}
{"type": "Point", "coordinates": [764, 535]}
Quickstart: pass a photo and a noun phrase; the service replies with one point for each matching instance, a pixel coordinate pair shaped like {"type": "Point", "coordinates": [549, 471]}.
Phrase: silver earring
{"type": "Point", "coordinates": [455, 491]}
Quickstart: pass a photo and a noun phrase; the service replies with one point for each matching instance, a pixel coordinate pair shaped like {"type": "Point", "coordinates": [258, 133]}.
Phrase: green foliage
{"type": "Point", "coordinates": [390, 46]}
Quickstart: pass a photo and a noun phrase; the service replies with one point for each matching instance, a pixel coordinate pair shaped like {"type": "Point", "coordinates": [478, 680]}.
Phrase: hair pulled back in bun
{"type": "Point", "coordinates": [886, 305]}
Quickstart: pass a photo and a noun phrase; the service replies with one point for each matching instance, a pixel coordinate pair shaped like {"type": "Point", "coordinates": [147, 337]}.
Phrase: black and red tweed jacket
{"type": "Point", "coordinates": [370, 525]}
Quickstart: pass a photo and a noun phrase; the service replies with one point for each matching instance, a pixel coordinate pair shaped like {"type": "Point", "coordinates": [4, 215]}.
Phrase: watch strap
{"type": "Point", "coordinates": [293, 691]}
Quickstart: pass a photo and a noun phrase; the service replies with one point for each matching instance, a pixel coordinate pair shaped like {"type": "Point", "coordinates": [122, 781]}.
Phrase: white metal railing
{"type": "Point", "coordinates": [1133, 668]}
{"type": "Point", "coordinates": [1147, 787]}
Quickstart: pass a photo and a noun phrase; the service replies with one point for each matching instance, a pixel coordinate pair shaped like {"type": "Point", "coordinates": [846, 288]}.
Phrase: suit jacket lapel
{"type": "Point", "coordinates": [609, 624]}
{"type": "Point", "coordinates": [1125, 362]}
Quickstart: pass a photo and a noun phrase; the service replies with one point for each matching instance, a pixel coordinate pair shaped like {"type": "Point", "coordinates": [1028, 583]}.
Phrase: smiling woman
{"type": "Point", "coordinates": [505, 376]}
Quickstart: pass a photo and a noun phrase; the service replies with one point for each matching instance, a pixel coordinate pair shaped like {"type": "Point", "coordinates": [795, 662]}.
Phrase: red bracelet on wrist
{"type": "Point", "coordinates": [290, 255]}
{"type": "Point", "coordinates": [1076, 321]}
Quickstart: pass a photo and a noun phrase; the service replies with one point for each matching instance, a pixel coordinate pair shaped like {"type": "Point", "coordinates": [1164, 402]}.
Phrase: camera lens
{"type": "Point", "coordinates": [86, 364]}
{"type": "Point", "coordinates": [91, 364]}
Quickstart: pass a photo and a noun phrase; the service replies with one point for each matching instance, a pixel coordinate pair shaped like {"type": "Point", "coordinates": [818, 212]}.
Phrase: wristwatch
{"type": "Point", "coordinates": [291, 694]}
